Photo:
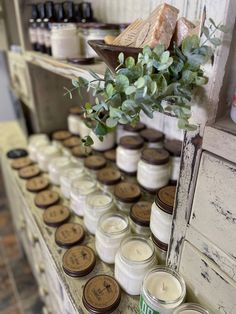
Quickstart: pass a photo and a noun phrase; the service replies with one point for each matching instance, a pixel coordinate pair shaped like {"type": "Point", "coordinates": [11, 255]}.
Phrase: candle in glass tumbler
{"type": "Point", "coordinates": [191, 308]}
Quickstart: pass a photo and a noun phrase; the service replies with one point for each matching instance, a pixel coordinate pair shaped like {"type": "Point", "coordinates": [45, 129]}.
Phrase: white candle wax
{"type": "Point", "coordinates": [100, 200]}
{"type": "Point", "coordinates": [189, 312]}
{"type": "Point", "coordinates": [113, 224]}
{"type": "Point", "coordinates": [137, 250]}
{"type": "Point", "coordinates": [163, 286]}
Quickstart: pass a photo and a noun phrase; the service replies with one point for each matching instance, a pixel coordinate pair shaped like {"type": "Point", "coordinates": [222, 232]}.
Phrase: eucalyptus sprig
{"type": "Point", "coordinates": [159, 80]}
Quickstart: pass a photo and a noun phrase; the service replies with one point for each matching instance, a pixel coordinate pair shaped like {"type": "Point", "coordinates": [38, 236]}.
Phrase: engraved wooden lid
{"type": "Point", "coordinates": [152, 135]}
{"type": "Point", "coordinates": [37, 184]}
{"type": "Point", "coordinates": [131, 142]}
{"type": "Point", "coordinates": [21, 163]}
{"type": "Point", "coordinates": [17, 153]}
{"type": "Point", "coordinates": [127, 192]}
{"type": "Point", "coordinates": [137, 128]}
{"type": "Point", "coordinates": [109, 176]}
{"type": "Point", "coordinates": [72, 141]}
{"type": "Point", "coordinates": [101, 294]}
{"type": "Point", "coordinates": [69, 234]}
{"type": "Point", "coordinates": [174, 147]}
{"type": "Point", "coordinates": [95, 162]}
{"type": "Point", "coordinates": [140, 213]}
{"type": "Point", "coordinates": [81, 151]}
{"type": "Point", "coordinates": [155, 156]}
{"type": "Point", "coordinates": [56, 215]}
{"type": "Point", "coordinates": [29, 172]}
{"type": "Point", "coordinates": [110, 155]}
{"type": "Point", "coordinates": [61, 135]}
{"type": "Point", "coordinates": [78, 261]}
{"type": "Point", "coordinates": [46, 198]}
{"type": "Point", "coordinates": [165, 198]}
{"type": "Point", "coordinates": [159, 244]}
{"type": "Point", "coordinates": [76, 110]}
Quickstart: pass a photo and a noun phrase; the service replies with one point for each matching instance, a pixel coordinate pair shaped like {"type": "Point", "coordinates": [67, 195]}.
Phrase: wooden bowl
{"type": "Point", "coordinates": [110, 53]}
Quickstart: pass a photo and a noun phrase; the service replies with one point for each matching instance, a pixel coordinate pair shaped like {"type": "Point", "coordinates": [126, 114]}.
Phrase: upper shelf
{"type": "Point", "coordinates": [64, 68]}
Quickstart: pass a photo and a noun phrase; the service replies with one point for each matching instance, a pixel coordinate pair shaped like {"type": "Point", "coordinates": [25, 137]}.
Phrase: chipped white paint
{"type": "Point", "coordinates": [206, 283]}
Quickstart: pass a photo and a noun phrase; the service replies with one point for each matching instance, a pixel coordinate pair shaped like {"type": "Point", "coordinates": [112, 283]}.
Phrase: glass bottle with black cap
{"type": "Point", "coordinates": [50, 17]}
{"type": "Point", "coordinates": [33, 27]}
{"type": "Point", "coordinates": [40, 27]}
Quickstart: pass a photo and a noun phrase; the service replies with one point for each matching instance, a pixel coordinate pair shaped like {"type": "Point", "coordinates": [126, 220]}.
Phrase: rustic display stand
{"type": "Point", "coordinates": [203, 234]}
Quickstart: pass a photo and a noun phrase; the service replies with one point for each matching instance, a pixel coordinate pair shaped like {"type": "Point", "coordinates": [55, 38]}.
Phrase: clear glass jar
{"type": "Point", "coordinates": [161, 250]}
{"type": "Point", "coordinates": [93, 164]}
{"type": "Point", "coordinates": [81, 152]}
{"type": "Point", "coordinates": [155, 166]}
{"type": "Point", "coordinates": [134, 258]}
{"type": "Point", "coordinates": [80, 189]}
{"type": "Point", "coordinates": [64, 40]}
{"type": "Point", "coordinates": [107, 179]}
{"type": "Point", "coordinates": [112, 228]}
{"type": "Point", "coordinates": [46, 154]}
{"type": "Point", "coordinates": [163, 290]}
{"type": "Point", "coordinates": [59, 136]}
{"type": "Point", "coordinates": [97, 203]}
{"type": "Point", "coordinates": [174, 148]}
{"type": "Point", "coordinates": [152, 138]}
{"type": "Point", "coordinates": [56, 166]}
{"type": "Point", "coordinates": [107, 143]}
{"type": "Point", "coordinates": [161, 213]}
{"type": "Point", "coordinates": [140, 218]}
{"type": "Point", "coordinates": [35, 142]}
{"type": "Point", "coordinates": [66, 178]}
{"type": "Point", "coordinates": [126, 195]}
{"type": "Point", "coordinates": [191, 308]}
{"type": "Point", "coordinates": [128, 153]}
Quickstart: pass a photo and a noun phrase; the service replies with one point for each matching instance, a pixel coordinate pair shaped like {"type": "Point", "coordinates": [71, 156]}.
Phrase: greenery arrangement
{"type": "Point", "coordinates": [159, 80]}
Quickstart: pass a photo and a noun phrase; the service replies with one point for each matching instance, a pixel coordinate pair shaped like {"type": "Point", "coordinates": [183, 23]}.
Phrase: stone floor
{"type": "Point", "coordinates": [18, 288]}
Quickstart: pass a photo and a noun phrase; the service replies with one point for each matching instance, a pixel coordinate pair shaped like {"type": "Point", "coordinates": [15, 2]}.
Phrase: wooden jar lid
{"type": "Point", "coordinates": [155, 156]}
{"type": "Point", "coordinates": [78, 261]}
{"type": "Point", "coordinates": [159, 244]}
{"type": "Point", "coordinates": [95, 162]}
{"type": "Point", "coordinates": [165, 198]}
{"type": "Point", "coordinates": [61, 135]}
{"type": "Point", "coordinates": [152, 135]}
{"type": "Point", "coordinates": [29, 172]}
{"type": "Point", "coordinates": [76, 110]}
{"type": "Point", "coordinates": [81, 151]}
{"type": "Point", "coordinates": [21, 163]}
{"type": "Point", "coordinates": [137, 128]}
{"type": "Point", "coordinates": [109, 176]}
{"type": "Point", "coordinates": [127, 192]}
{"type": "Point", "coordinates": [46, 198]}
{"type": "Point", "coordinates": [56, 215]}
{"type": "Point", "coordinates": [110, 155]}
{"type": "Point", "coordinates": [140, 213]}
{"type": "Point", "coordinates": [174, 147]}
{"type": "Point", "coordinates": [37, 184]}
{"type": "Point", "coordinates": [17, 153]}
{"type": "Point", "coordinates": [101, 294]}
{"type": "Point", "coordinates": [69, 234]}
{"type": "Point", "coordinates": [131, 142]}
{"type": "Point", "coordinates": [72, 141]}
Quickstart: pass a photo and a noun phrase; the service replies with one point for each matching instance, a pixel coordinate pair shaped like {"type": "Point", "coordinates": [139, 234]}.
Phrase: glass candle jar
{"type": "Point", "coordinates": [69, 143]}
{"type": "Point", "coordinates": [84, 129]}
{"type": "Point", "coordinates": [35, 142]}
{"type": "Point", "coordinates": [174, 148]}
{"type": "Point", "coordinates": [133, 130]}
{"type": "Point", "coordinates": [161, 250]}
{"type": "Point", "coordinates": [66, 178]}
{"type": "Point", "coordinates": [80, 189]}
{"type": "Point", "coordinates": [126, 194]}
{"type": "Point", "coordinates": [140, 218]}
{"type": "Point", "coordinates": [107, 143]}
{"type": "Point", "coordinates": [80, 152]}
{"type": "Point", "coordinates": [153, 168]}
{"type": "Point", "coordinates": [93, 164]}
{"type": "Point", "coordinates": [135, 257]}
{"type": "Point", "coordinates": [163, 290]}
{"type": "Point", "coordinates": [152, 138]}
{"type": "Point", "coordinates": [64, 40]}
{"type": "Point", "coordinates": [46, 154]}
{"type": "Point", "coordinates": [128, 153]}
{"type": "Point", "coordinates": [56, 166]}
{"type": "Point", "coordinates": [59, 136]}
{"type": "Point", "coordinates": [112, 228]}
{"type": "Point", "coordinates": [161, 213]}
{"type": "Point", "coordinates": [107, 179]}
{"type": "Point", "coordinates": [119, 132]}
{"type": "Point", "coordinates": [74, 119]}
{"type": "Point", "coordinates": [191, 308]}
{"type": "Point", "coordinates": [97, 203]}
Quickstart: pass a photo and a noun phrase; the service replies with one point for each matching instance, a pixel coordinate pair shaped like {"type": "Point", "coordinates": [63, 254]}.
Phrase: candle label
{"type": "Point", "coordinates": [145, 308]}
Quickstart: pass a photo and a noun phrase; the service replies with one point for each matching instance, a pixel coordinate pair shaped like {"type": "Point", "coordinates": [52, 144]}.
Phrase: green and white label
{"type": "Point", "coordinates": [145, 308]}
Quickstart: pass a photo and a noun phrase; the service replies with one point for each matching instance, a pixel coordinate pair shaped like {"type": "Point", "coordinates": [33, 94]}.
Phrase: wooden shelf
{"type": "Point", "coordinates": [64, 68]}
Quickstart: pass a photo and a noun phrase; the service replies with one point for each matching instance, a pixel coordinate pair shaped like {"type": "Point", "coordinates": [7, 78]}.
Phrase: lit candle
{"type": "Point", "coordinates": [163, 290]}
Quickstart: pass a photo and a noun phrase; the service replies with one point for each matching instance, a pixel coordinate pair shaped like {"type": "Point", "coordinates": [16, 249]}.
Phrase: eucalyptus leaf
{"type": "Point", "coordinates": [100, 129]}
{"type": "Point", "coordinates": [121, 58]}
{"type": "Point", "coordinates": [122, 82]}
{"type": "Point", "coordinates": [109, 90]}
{"type": "Point", "coordinates": [130, 90]}
{"type": "Point", "coordinates": [165, 57]}
{"type": "Point", "coordinates": [129, 62]}
{"type": "Point", "coordinates": [87, 141]}
{"type": "Point", "coordinates": [111, 122]}
{"type": "Point", "coordinates": [140, 82]}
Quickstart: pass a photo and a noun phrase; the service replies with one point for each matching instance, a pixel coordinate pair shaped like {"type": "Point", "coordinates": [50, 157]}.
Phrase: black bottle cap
{"type": "Point", "coordinates": [34, 12]}
{"type": "Point", "coordinates": [60, 14]}
{"type": "Point", "coordinates": [85, 12]}
{"type": "Point", "coordinates": [69, 11]}
{"type": "Point", "coordinates": [16, 153]}
{"type": "Point", "coordinates": [49, 11]}
{"type": "Point", "coordinates": [41, 10]}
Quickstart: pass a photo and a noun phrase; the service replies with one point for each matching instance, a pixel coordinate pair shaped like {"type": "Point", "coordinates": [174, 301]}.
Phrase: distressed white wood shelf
{"type": "Point", "coordinates": [64, 68]}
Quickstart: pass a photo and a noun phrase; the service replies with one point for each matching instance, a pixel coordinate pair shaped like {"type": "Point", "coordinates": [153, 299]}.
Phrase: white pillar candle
{"type": "Point", "coordinates": [134, 258]}
{"type": "Point", "coordinates": [163, 291]}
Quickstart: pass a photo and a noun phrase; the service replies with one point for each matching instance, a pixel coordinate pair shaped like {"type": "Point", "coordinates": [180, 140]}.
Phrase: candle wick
{"type": "Point", "coordinates": [163, 286]}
